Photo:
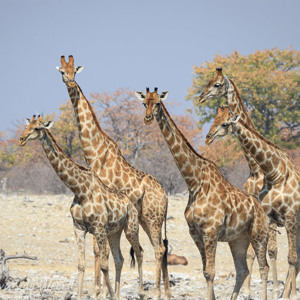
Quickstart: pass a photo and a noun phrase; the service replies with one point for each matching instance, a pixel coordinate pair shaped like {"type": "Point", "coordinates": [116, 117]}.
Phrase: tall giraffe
{"type": "Point", "coordinates": [216, 210]}
{"type": "Point", "coordinates": [280, 194]}
{"type": "Point", "coordinates": [104, 156]}
{"type": "Point", "coordinates": [95, 208]}
{"type": "Point", "coordinates": [222, 86]}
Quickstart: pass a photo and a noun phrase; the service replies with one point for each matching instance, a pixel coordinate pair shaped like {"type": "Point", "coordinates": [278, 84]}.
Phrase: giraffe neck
{"type": "Point", "coordinates": [96, 144]}
{"type": "Point", "coordinates": [236, 104]}
{"type": "Point", "coordinates": [270, 158]}
{"type": "Point", "coordinates": [67, 170]}
{"type": "Point", "coordinates": [237, 107]}
{"type": "Point", "coordinates": [190, 164]}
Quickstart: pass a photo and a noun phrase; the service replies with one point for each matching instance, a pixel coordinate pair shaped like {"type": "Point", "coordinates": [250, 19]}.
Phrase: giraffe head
{"type": "Point", "coordinates": [216, 87]}
{"type": "Point", "coordinates": [222, 125]}
{"type": "Point", "coordinates": [34, 129]}
{"type": "Point", "coordinates": [68, 70]}
{"type": "Point", "coordinates": [151, 102]}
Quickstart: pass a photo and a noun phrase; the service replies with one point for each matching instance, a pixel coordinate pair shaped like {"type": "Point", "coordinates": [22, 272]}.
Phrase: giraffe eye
{"type": "Point", "coordinates": [217, 85]}
{"type": "Point", "coordinates": [225, 125]}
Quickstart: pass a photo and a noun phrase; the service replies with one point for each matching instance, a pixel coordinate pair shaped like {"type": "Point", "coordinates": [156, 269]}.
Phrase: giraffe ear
{"type": "Point", "coordinates": [235, 118]}
{"type": "Point", "coordinates": [79, 69]}
{"type": "Point", "coordinates": [164, 95]}
{"type": "Point", "coordinates": [140, 96]}
{"type": "Point", "coordinates": [58, 68]}
{"type": "Point", "coordinates": [27, 121]}
{"type": "Point", "coordinates": [48, 124]}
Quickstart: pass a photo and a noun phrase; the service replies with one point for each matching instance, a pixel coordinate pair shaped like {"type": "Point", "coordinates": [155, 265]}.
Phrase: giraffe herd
{"type": "Point", "coordinates": [112, 196]}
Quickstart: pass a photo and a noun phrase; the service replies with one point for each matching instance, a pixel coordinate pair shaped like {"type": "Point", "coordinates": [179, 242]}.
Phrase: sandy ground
{"type": "Point", "coordinates": [42, 226]}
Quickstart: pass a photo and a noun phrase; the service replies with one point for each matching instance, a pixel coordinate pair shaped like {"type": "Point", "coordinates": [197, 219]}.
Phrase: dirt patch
{"type": "Point", "coordinates": [42, 226]}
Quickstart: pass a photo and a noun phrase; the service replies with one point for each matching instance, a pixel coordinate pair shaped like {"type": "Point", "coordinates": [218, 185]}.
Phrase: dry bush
{"type": "Point", "coordinates": [35, 178]}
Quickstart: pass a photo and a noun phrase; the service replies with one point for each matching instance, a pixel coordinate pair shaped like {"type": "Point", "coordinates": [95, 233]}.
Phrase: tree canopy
{"type": "Point", "coordinates": [268, 82]}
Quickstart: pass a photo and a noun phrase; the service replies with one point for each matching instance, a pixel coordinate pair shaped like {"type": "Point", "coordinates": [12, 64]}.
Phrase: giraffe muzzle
{"type": "Point", "coordinates": [209, 139]}
{"type": "Point", "coordinates": [22, 141]}
{"type": "Point", "coordinates": [203, 97]}
{"type": "Point", "coordinates": [148, 119]}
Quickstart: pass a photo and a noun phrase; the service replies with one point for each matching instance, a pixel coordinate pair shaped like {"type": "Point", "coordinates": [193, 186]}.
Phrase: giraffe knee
{"type": "Point", "coordinates": [209, 276]}
{"type": "Point", "coordinates": [161, 251]}
{"type": "Point", "coordinates": [292, 259]}
{"type": "Point", "coordinates": [81, 267]}
{"type": "Point", "coordinates": [104, 267]}
{"type": "Point", "coordinates": [272, 253]}
{"type": "Point", "coordinates": [96, 252]}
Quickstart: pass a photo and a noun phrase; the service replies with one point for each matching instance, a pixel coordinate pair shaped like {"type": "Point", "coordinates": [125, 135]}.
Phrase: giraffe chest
{"type": "Point", "coordinates": [225, 219]}
{"type": "Point", "coordinates": [93, 217]}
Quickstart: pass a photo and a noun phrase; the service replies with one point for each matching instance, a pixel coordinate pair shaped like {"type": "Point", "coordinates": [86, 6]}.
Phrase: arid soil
{"type": "Point", "coordinates": [42, 226]}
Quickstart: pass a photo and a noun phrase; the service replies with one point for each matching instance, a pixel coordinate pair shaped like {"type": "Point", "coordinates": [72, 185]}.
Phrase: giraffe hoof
{"type": "Point", "coordinates": [275, 295]}
{"type": "Point", "coordinates": [103, 294]}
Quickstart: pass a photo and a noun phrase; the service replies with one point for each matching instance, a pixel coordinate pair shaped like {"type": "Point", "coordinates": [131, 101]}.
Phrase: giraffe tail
{"type": "Point", "coordinates": [132, 263]}
{"type": "Point", "coordinates": [165, 241]}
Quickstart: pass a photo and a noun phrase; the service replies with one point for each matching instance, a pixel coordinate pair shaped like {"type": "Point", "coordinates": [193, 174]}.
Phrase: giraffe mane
{"type": "Point", "coordinates": [97, 123]}
{"type": "Point", "coordinates": [185, 139]}
{"type": "Point", "coordinates": [260, 136]}
{"type": "Point", "coordinates": [241, 101]}
{"type": "Point", "coordinates": [81, 167]}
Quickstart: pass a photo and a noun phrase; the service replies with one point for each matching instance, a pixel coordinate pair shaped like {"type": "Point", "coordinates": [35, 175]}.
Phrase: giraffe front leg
{"type": "Point", "coordinates": [260, 248]}
{"type": "Point", "coordinates": [210, 246]}
{"type": "Point", "coordinates": [292, 259]}
{"type": "Point", "coordinates": [200, 245]}
{"type": "Point", "coordinates": [80, 238]}
{"type": "Point", "coordinates": [250, 261]}
{"type": "Point", "coordinates": [272, 252]}
{"type": "Point", "coordinates": [97, 288]}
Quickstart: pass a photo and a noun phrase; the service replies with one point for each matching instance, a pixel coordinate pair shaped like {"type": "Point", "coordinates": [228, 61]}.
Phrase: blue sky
{"type": "Point", "coordinates": [128, 44]}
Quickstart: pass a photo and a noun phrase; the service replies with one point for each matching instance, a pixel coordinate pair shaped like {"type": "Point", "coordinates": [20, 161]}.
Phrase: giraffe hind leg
{"type": "Point", "coordinates": [155, 237]}
{"type": "Point", "coordinates": [250, 261]}
{"type": "Point", "coordinates": [97, 288]}
{"type": "Point", "coordinates": [239, 252]}
{"type": "Point", "coordinates": [114, 243]}
{"type": "Point", "coordinates": [102, 244]}
{"type": "Point", "coordinates": [132, 235]}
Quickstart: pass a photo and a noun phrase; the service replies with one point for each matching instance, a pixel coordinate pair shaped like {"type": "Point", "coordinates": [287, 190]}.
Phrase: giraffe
{"type": "Point", "coordinates": [216, 210]}
{"type": "Point", "coordinates": [104, 156]}
{"type": "Point", "coordinates": [222, 86]}
{"type": "Point", "coordinates": [95, 208]}
{"type": "Point", "coordinates": [280, 194]}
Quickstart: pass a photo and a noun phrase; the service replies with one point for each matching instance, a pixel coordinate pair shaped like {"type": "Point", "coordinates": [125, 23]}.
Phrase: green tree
{"type": "Point", "coordinates": [65, 131]}
{"type": "Point", "coordinates": [269, 84]}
